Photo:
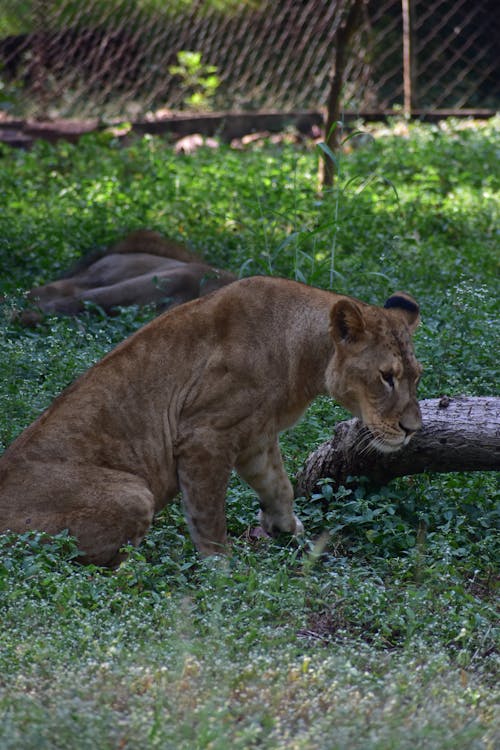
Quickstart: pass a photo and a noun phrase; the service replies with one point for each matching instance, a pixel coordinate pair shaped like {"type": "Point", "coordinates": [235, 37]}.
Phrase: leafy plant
{"type": "Point", "coordinates": [198, 80]}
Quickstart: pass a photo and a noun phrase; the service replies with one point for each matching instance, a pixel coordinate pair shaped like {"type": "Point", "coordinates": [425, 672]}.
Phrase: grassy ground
{"type": "Point", "coordinates": [384, 638]}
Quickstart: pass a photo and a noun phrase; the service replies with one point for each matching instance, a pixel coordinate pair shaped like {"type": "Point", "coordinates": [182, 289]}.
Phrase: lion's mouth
{"type": "Point", "coordinates": [382, 443]}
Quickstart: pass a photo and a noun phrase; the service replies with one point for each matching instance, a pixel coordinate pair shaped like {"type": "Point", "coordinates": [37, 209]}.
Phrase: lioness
{"type": "Point", "coordinates": [143, 268]}
{"type": "Point", "coordinates": [203, 389]}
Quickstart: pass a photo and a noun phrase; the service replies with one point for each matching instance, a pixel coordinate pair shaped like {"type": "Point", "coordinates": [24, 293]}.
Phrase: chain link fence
{"type": "Point", "coordinates": [113, 58]}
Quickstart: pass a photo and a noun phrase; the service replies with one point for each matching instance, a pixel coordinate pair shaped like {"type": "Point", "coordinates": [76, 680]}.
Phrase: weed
{"type": "Point", "coordinates": [199, 81]}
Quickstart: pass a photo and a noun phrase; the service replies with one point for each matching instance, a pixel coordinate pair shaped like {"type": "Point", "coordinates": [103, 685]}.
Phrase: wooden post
{"type": "Point", "coordinates": [350, 21]}
{"type": "Point", "coordinates": [409, 59]}
{"type": "Point", "coordinates": [37, 64]}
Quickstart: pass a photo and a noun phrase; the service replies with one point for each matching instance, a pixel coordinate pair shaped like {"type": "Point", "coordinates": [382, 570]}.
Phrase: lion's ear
{"type": "Point", "coordinates": [406, 307]}
{"type": "Point", "coordinates": [346, 322]}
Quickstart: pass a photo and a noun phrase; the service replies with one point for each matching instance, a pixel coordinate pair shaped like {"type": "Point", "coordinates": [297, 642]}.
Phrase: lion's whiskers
{"type": "Point", "coordinates": [367, 443]}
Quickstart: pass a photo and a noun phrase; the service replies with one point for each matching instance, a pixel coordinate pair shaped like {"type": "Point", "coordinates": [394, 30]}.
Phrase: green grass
{"type": "Point", "coordinates": [381, 634]}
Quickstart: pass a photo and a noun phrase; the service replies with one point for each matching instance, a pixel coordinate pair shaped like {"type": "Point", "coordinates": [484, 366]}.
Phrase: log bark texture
{"type": "Point", "coordinates": [458, 434]}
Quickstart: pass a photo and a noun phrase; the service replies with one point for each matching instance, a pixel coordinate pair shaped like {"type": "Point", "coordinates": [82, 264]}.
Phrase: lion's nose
{"type": "Point", "coordinates": [408, 431]}
{"type": "Point", "coordinates": [410, 421]}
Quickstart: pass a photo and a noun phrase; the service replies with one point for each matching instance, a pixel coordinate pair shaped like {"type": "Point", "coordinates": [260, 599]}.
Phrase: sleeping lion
{"type": "Point", "coordinates": [144, 268]}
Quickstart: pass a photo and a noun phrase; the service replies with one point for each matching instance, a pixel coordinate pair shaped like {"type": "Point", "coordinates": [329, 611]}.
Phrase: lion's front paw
{"type": "Point", "coordinates": [273, 525]}
{"type": "Point", "coordinates": [299, 527]}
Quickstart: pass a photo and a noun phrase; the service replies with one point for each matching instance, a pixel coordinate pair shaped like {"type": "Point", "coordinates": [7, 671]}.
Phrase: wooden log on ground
{"type": "Point", "coordinates": [458, 434]}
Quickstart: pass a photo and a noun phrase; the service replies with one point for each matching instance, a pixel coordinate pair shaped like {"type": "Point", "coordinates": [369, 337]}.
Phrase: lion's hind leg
{"type": "Point", "coordinates": [103, 509]}
{"type": "Point", "coordinates": [123, 519]}
{"type": "Point", "coordinates": [116, 511]}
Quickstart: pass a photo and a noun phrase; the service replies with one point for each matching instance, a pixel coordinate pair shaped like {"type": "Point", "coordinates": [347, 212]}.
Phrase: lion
{"type": "Point", "coordinates": [143, 268]}
{"type": "Point", "coordinates": [201, 390]}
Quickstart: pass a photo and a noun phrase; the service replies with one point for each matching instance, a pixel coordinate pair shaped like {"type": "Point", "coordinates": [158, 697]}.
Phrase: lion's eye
{"type": "Point", "coordinates": [388, 378]}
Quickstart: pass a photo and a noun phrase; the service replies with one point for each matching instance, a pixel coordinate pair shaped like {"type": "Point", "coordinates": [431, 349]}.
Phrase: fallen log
{"type": "Point", "coordinates": [458, 434]}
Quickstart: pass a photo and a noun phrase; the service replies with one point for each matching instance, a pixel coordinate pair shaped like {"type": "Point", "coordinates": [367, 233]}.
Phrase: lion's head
{"type": "Point", "coordinates": [374, 372]}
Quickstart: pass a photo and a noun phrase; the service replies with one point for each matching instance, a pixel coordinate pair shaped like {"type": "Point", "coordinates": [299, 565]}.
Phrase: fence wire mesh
{"type": "Point", "coordinates": [112, 58]}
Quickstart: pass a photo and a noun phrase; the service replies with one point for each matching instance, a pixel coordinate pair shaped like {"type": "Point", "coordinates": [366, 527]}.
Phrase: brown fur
{"type": "Point", "coordinates": [203, 389]}
{"type": "Point", "coordinates": [143, 268]}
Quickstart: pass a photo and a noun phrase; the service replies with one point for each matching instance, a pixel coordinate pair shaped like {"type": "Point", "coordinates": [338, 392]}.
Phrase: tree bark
{"type": "Point", "coordinates": [458, 434]}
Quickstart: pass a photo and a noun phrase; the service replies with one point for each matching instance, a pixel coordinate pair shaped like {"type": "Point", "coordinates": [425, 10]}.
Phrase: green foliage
{"type": "Point", "coordinates": [413, 514]}
{"type": "Point", "coordinates": [199, 81]}
{"type": "Point", "coordinates": [385, 609]}
{"type": "Point", "coordinates": [15, 20]}
{"type": "Point", "coordinates": [23, 16]}
{"type": "Point", "coordinates": [9, 93]}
